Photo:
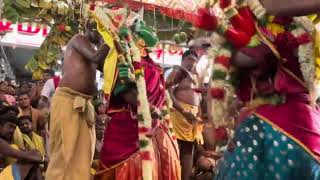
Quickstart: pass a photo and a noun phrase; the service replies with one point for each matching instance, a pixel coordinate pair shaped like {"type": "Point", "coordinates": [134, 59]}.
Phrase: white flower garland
{"type": "Point", "coordinates": [218, 108]}
{"type": "Point", "coordinates": [306, 51]}
{"type": "Point", "coordinates": [143, 107]}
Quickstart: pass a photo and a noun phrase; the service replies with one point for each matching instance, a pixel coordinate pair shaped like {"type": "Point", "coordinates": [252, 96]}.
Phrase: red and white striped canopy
{"type": "Point", "coordinates": [178, 9]}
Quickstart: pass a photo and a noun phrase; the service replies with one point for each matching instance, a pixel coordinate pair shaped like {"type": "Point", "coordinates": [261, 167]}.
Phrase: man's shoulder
{"type": "Point", "coordinates": [78, 38]}
{"type": "Point", "coordinates": [35, 111]}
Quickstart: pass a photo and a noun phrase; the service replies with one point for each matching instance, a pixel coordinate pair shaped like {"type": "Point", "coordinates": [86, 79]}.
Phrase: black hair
{"type": "Point", "coordinates": [5, 118]}
{"type": "Point", "coordinates": [118, 100]}
{"type": "Point", "coordinates": [24, 83]}
{"type": "Point", "coordinates": [189, 52]}
{"type": "Point", "coordinates": [129, 86]}
{"type": "Point", "coordinates": [205, 45]}
{"type": "Point", "coordinates": [23, 93]}
{"type": "Point", "coordinates": [6, 109]}
{"type": "Point", "coordinates": [24, 117]}
{"type": "Point", "coordinates": [98, 104]}
{"type": "Point", "coordinates": [13, 86]}
{"type": "Point", "coordinates": [49, 71]}
{"type": "Point", "coordinates": [90, 25]}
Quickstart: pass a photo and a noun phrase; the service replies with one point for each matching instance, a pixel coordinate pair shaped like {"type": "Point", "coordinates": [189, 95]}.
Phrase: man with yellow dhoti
{"type": "Point", "coordinates": [185, 92]}
{"type": "Point", "coordinates": [72, 132]}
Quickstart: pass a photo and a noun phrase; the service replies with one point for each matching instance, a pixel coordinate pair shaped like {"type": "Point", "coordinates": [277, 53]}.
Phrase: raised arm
{"type": "Point", "coordinates": [172, 80]}
{"type": "Point", "coordinates": [31, 156]}
{"type": "Point", "coordinates": [291, 7]}
{"type": "Point", "coordinates": [83, 47]}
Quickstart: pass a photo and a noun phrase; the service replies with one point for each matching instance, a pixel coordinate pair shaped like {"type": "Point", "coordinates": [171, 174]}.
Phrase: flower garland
{"type": "Point", "coordinates": [132, 59]}
{"type": "Point", "coordinates": [238, 27]}
{"type": "Point", "coordinates": [221, 91]}
{"type": "Point", "coordinates": [144, 115]}
{"type": "Point", "coordinates": [304, 31]}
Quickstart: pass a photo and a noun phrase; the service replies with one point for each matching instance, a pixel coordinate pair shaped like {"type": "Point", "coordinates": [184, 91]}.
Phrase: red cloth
{"type": "Point", "coordinates": [56, 80]}
{"type": "Point", "coordinates": [154, 82]}
{"type": "Point", "coordinates": [297, 118]}
{"type": "Point", "coordinates": [121, 135]}
{"type": "Point", "coordinates": [121, 138]}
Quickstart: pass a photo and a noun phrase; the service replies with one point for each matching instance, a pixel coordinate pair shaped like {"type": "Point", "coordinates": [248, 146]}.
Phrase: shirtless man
{"type": "Point", "coordinates": [72, 132]}
{"type": "Point", "coordinates": [9, 152]}
{"type": "Point", "coordinates": [183, 85]}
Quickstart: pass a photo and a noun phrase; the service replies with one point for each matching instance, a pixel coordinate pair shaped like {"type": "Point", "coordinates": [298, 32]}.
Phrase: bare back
{"type": "Point", "coordinates": [79, 72]}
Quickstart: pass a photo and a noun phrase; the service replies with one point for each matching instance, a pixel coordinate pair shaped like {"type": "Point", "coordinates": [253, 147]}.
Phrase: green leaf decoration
{"type": "Point", "coordinates": [143, 143]}
{"type": "Point", "coordinates": [218, 74]}
{"type": "Point", "coordinates": [140, 118]}
{"type": "Point", "coordinates": [254, 41]}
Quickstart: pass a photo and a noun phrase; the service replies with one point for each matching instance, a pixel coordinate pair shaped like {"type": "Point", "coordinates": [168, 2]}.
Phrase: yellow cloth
{"type": "Point", "coordinates": [7, 174]}
{"type": "Point", "coordinates": [17, 138]}
{"type": "Point", "coordinates": [72, 136]}
{"type": "Point", "coordinates": [35, 143]}
{"type": "Point", "coordinates": [184, 130]}
{"type": "Point", "coordinates": [110, 64]}
{"type": "Point", "coordinates": [10, 160]}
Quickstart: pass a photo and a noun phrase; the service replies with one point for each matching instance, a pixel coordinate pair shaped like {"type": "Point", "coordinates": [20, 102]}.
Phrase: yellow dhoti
{"type": "Point", "coordinates": [182, 128]}
{"type": "Point", "coordinates": [11, 172]}
{"type": "Point", "coordinates": [72, 136]}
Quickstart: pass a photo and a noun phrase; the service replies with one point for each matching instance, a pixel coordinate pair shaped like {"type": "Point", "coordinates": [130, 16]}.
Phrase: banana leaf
{"type": "Point", "coordinates": [23, 3]}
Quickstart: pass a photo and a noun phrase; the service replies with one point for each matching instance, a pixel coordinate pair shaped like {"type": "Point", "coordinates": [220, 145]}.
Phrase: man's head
{"type": "Point", "coordinates": [200, 46]}
{"type": "Point", "coordinates": [13, 110]}
{"type": "Point", "coordinates": [189, 60]}
{"type": "Point", "coordinates": [8, 123]}
{"type": "Point", "coordinates": [12, 90]}
{"type": "Point", "coordinates": [9, 80]}
{"type": "Point", "coordinates": [4, 86]}
{"type": "Point", "coordinates": [47, 74]}
{"type": "Point", "coordinates": [91, 32]}
{"type": "Point", "coordinates": [24, 87]}
{"type": "Point", "coordinates": [24, 100]}
{"type": "Point", "coordinates": [25, 124]}
{"type": "Point", "coordinates": [40, 83]}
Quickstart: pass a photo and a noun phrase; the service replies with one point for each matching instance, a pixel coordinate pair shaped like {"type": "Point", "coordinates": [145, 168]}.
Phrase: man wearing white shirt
{"type": "Point", "coordinates": [201, 45]}
{"type": "Point", "coordinates": [48, 90]}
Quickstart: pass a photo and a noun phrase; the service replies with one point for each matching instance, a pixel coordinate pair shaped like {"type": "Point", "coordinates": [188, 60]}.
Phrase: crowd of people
{"type": "Point", "coordinates": [25, 123]}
